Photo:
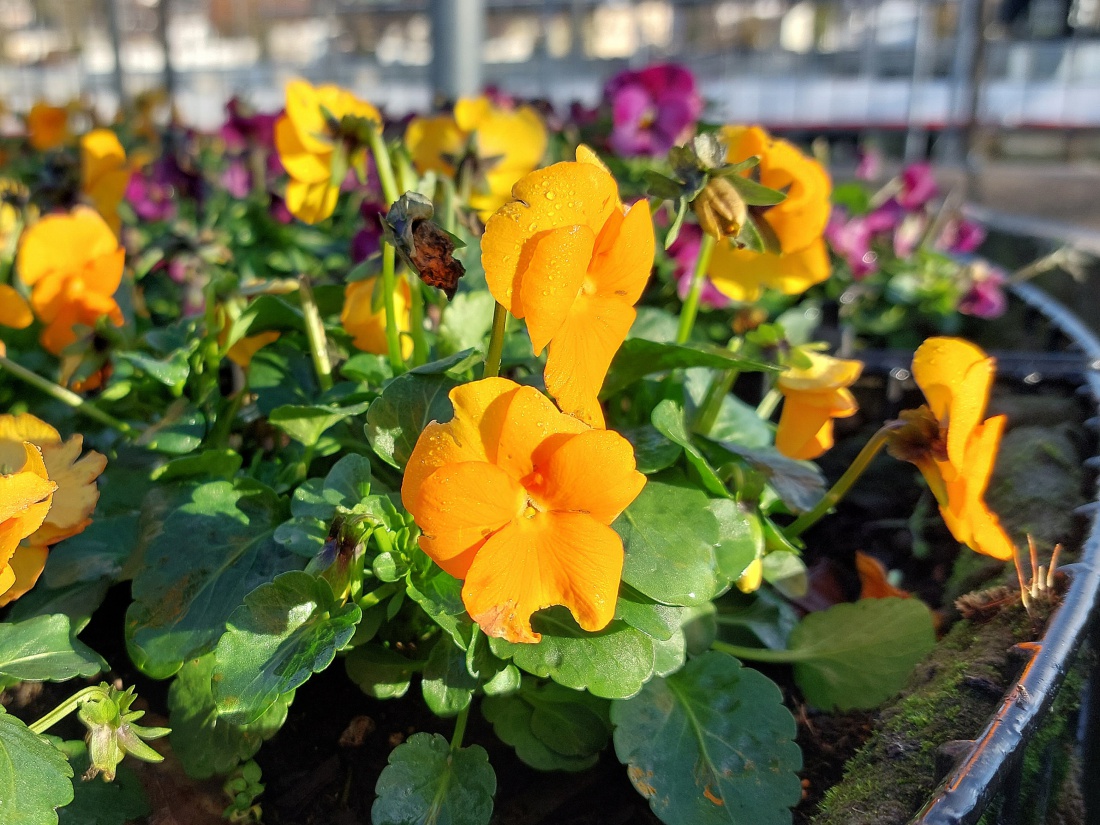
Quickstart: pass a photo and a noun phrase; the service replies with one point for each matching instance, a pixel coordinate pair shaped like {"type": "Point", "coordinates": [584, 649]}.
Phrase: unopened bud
{"type": "Point", "coordinates": [720, 209]}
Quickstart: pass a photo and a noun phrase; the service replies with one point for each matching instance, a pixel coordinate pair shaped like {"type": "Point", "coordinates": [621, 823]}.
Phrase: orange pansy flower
{"type": "Point", "coordinates": [509, 143]}
{"type": "Point", "coordinates": [567, 257]}
{"type": "Point", "coordinates": [798, 222]}
{"type": "Point", "coordinates": [516, 498]}
{"type": "Point", "coordinates": [26, 494]}
{"type": "Point", "coordinates": [367, 325]}
{"type": "Point", "coordinates": [73, 264]}
{"type": "Point", "coordinates": [948, 441]}
{"type": "Point", "coordinates": [813, 397]}
{"type": "Point", "coordinates": [15, 312]}
{"type": "Point", "coordinates": [104, 173]}
{"type": "Point", "coordinates": [47, 126]}
{"type": "Point", "coordinates": [307, 139]}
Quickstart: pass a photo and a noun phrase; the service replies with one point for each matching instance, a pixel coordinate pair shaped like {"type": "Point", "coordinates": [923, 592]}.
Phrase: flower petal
{"type": "Point", "coordinates": [550, 283]}
{"type": "Point", "coordinates": [623, 258]}
{"type": "Point", "coordinates": [367, 326]}
{"type": "Point", "coordinates": [955, 376]}
{"type": "Point", "coordinates": [551, 558]}
{"type": "Point", "coordinates": [22, 573]}
{"type": "Point", "coordinates": [432, 140]}
{"type": "Point", "coordinates": [311, 202]}
{"type": "Point", "coordinates": [300, 162]}
{"type": "Point", "coordinates": [967, 515]}
{"type": "Point", "coordinates": [15, 312]}
{"type": "Point", "coordinates": [805, 431]}
{"type": "Point", "coordinates": [742, 274]}
{"type": "Point", "coordinates": [592, 472]}
{"type": "Point", "coordinates": [77, 493]}
{"type": "Point", "coordinates": [459, 506]}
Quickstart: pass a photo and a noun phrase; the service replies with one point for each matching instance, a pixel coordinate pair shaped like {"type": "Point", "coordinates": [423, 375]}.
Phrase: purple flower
{"type": "Point", "coordinates": [652, 109]}
{"type": "Point", "coordinates": [684, 252]}
{"type": "Point", "coordinates": [850, 238]}
{"type": "Point", "coordinates": [280, 211]}
{"type": "Point", "coordinates": [985, 298]}
{"type": "Point", "coordinates": [962, 236]}
{"type": "Point", "coordinates": [368, 240]}
{"type": "Point", "coordinates": [918, 186]}
{"type": "Point", "coordinates": [870, 163]}
{"type": "Point", "coordinates": [236, 179]}
{"type": "Point", "coordinates": [244, 130]}
{"type": "Point", "coordinates": [151, 200]}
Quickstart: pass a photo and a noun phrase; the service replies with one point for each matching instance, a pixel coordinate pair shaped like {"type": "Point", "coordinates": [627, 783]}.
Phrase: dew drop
{"type": "Point", "coordinates": [549, 196]}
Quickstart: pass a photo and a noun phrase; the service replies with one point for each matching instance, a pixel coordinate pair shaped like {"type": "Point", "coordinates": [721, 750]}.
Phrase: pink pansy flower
{"type": "Point", "coordinates": [653, 109]}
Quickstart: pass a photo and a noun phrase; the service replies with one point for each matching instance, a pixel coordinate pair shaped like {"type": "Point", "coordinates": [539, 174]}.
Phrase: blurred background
{"type": "Point", "coordinates": [964, 82]}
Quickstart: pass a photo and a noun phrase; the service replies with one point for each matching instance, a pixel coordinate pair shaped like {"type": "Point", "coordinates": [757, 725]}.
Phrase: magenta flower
{"type": "Point", "coordinates": [986, 297]}
{"type": "Point", "coordinates": [236, 179]}
{"type": "Point", "coordinates": [850, 239]}
{"type": "Point", "coordinates": [652, 109]}
{"type": "Point", "coordinates": [151, 199]}
{"type": "Point", "coordinates": [368, 240]}
{"type": "Point", "coordinates": [870, 163]}
{"type": "Point", "coordinates": [684, 252]}
{"type": "Point", "coordinates": [962, 236]}
{"type": "Point", "coordinates": [918, 186]}
{"type": "Point", "coordinates": [245, 130]}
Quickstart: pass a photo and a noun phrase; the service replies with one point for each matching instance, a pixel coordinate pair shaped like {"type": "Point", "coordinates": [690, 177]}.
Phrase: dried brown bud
{"type": "Point", "coordinates": [917, 437]}
{"type": "Point", "coordinates": [422, 244]}
{"type": "Point", "coordinates": [720, 209]}
{"type": "Point", "coordinates": [748, 318]}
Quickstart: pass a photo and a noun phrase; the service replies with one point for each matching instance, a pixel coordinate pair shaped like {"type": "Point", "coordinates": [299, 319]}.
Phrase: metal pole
{"type": "Point", "coordinates": [111, 7]}
{"type": "Point", "coordinates": [162, 33]}
{"type": "Point", "coordinates": [966, 70]}
{"type": "Point", "coordinates": [458, 28]}
{"type": "Point", "coordinates": [924, 49]}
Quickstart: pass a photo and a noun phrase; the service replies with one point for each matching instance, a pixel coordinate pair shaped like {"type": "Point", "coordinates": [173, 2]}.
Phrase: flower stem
{"type": "Point", "coordinates": [496, 342]}
{"type": "Point", "coordinates": [719, 388]}
{"type": "Point", "coordinates": [389, 284]}
{"type": "Point", "coordinates": [698, 278]}
{"type": "Point", "coordinates": [768, 404]}
{"type": "Point", "coordinates": [842, 486]}
{"type": "Point", "coordinates": [66, 396]}
{"type": "Point", "coordinates": [460, 728]}
{"type": "Point", "coordinates": [416, 321]}
{"type": "Point", "coordinates": [756, 654]}
{"type": "Point", "coordinates": [315, 333]}
{"type": "Point", "coordinates": [384, 164]}
{"type": "Point", "coordinates": [65, 708]}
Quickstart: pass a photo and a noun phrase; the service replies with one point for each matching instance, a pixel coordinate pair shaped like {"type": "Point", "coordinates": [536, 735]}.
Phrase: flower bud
{"type": "Point", "coordinates": [720, 209]}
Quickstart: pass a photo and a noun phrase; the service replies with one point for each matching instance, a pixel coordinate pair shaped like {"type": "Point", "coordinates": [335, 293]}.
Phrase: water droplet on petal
{"type": "Point", "coordinates": [549, 196]}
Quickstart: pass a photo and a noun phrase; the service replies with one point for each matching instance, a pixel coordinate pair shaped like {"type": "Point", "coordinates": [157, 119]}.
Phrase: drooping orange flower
{"type": "Point", "coordinates": [798, 222]}
{"type": "Point", "coordinates": [950, 443]}
{"type": "Point", "coordinates": [308, 139]}
{"type": "Point", "coordinates": [367, 325]}
{"type": "Point", "coordinates": [104, 173]}
{"type": "Point", "coordinates": [73, 264]}
{"type": "Point", "coordinates": [26, 494]}
{"type": "Point", "coordinates": [507, 144]}
{"type": "Point", "coordinates": [813, 397]}
{"type": "Point", "coordinates": [47, 126]}
{"type": "Point", "coordinates": [516, 498]}
{"type": "Point", "coordinates": [567, 257]}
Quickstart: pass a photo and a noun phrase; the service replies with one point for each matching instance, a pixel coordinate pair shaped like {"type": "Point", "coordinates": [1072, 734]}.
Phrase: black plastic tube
{"type": "Point", "coordinates": [964, 795]}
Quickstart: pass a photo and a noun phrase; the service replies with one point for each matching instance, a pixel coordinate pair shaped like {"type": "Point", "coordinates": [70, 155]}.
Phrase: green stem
{"type": "Point", "coordinates": [65, 708]}
{"type": "Point", "coordinates": [720, 387]}
{"type": "Point", "coordinates": [698, 278]}
{"type": "Point", "coordinates": [384, 164]}
{"type": "Point", "coordinates": [460, 728]}
{"type": "Point", "coordinates": [768, 404]}
{"type": "Point", "coordinates": [416, 321]}
{"type": "Point", "coordinates": [315, 333]}
{"type": "Point", "coordinates": [756, 654]}
{"type": "Point", "coordinates": [496, 342]}
{"type": "Point", "coordinates": [389, 284]}
{"type": "Point", "coordinates": [66, 396]}
{"type": "Point", "coordinates": [842, 486]}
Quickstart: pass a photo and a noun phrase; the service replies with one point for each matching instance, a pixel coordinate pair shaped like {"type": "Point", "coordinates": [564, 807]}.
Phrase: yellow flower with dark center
{"type": "Point", "coordinates": [311, 147]}
{"type": "Point", "coordinates": [797, 223]}
{"type": "Point", "coordinates": [509, 143]}
{"type": "Point", "coordinates": [813, 396]}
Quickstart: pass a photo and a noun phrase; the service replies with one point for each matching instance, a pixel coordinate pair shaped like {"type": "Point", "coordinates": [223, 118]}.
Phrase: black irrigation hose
{"type": "Point", "coordinates": [964, 795]}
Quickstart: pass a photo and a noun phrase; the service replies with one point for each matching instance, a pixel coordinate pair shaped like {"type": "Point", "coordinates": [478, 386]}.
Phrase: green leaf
{"type": "Point", "coordinates": [740, 537]}
{"type": "Point", "coordinates": [43, 649]}
{"type": "Point", "coordinates": [466, 321]}
{"type": "Point", "coordinates": [210, 464]}
{"type": "Point", "coordinates": [654, 619]}
{"type": "Point", "coordinates": [755, 194]}
{"type": "Point", "coordinates": [799, 484]}
{"type": "Point", "coordinates": [551, 727]}
{"type": "Point", "coordinates": [34, 775]}
{"type": "Point", "coordinates": [860, 654]}
{"type": "Point", "coordinates": [77, 601]}
{"type": "Point", "coordinates": [787, 573]}
{"type": "Point", "coordinates": [613, 663]}
{"type": "Point", "coordinates": [206, 744]}
{"type": "Point", "coordinates": [638, 358]}
{"type": "Point", "coordinates": [759, 618]}
{"type": "Point", "coordinates": [448, 686]}
{"type": "Point", "coordinates": [200, 563]}
{"type": "Point", "coordinates": [283, 633]}
{"type": "Point", "coordinates": [171, 371]}
{"type": "Point", "coordinates": [670, 556]}
{"type": "Point", "coordinates": [103, 803]}
{"type": "Point", "coordinates": [379, 671]}
{"type": "Point", "coordinates": [99, 552]}
{"type": "Point", "coordinates": [367, 368]}
{"type": "Point", "coordinates": [440, 596]}
{"type": "Point", "coordinates": [426, 783]}
{"type": "Point", "coordinates": [407, 405]}
{"type": "Point", "coordinates": [653, 452]}
{"type": "Point", "coordinates": [737, 422]}
{"type": "Point", "coordinates": [282, 374]}
{"type": "Point", "coordinates": [711, 744]}
{"type": "Point", "coordinates": [668, 418]}
{"type": "Point", "coordinates": [307, 423]}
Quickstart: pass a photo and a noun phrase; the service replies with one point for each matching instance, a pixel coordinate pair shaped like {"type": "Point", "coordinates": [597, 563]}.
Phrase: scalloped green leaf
{"type": "Point", "coordinates": [283, 633]}
{"type": "Point", "coordinates": [613, 663]}
{"type": "Point", "coordinates": [306, 423]}
{"type": "Point", "coordinates": [670, 558]}
{"type": "Point", "coordinates": [427, 783]}
{"type": "Point", "coordinates": [43, 649]}
{"type": "Point", "coordinates": [34, 775]}
{"type": "Point", "coordinates": [206, 744]}
{"type": "Point", "coordinates": [448, 686]}
{"type": "Point", "coordinates": [200, 563]}
{"type": "Point", "coordinates": [711, 744]}
{"type": "Point", "coordinates": [379, 671]}
{"type": "Point", "coordinates": [407, 405]}
{"type": "Point", "coordinates": [668, 418]}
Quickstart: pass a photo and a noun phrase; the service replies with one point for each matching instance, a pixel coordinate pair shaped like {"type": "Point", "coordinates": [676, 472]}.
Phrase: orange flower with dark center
{"type": "Point", "coordinates": [950, 443]}
{"type": "Point", "coordinates": [566, 256]}
{"type": "Point", "coordinates": [814, 396]}
{"type": "Point", "coordinates": [517, 499]}
{"type": "Point", "coordinates": [74, 265]}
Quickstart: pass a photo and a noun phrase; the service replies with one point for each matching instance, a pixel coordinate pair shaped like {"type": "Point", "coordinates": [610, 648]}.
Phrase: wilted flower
{"type": "Point", "coordinates": [73, 265]}
{"type": "Point", "coordinates": [813, 396]}
{"type": "Point", "coordinates": [653, 109]}
{"type": "Point", "coordinates": [567, 257]}
{"type": "Point", "coordinates": [517, 499]}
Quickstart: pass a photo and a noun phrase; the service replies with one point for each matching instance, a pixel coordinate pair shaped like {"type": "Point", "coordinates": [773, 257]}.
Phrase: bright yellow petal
{"type": "Point", "coordinates": [823, 373]}
{"type": "Point", "coordinates": [303, 111]}
{"type": "Point", "coordinates": [242, 352]}
{"type": "Point", "coordinates": [581, 353]}
{"type": "Point", "coordinates": [367, 326]}
{"type": "Point", "coordinates": [805, 431]}
{"type": "Point", "coordinates": [25, 567]}
{"type": "Point", "coordinates": [15, 312]}
{"type": "Point", "coordinates": [955, 376]}
{"type": "Point", "coordinates": [460, 506]}
{"type": "Point", "coordinates": [432, 141]}
{"type": "Point", "coordinates": [301, 163]}
{"type": "Point", "coordinates": [537, 562]}
{"type": "Point", "coordinates": [104, 172]}
{"type": "Point", "coordinates": [311, 202]}
{"type": "Point", "coordinates": [592, 472]}
{"type": "Point", "coordinates": [623, 259]}
{"type": "Point", "coordinates": [63, 243]}
{"type": "Point", "coordinates": [552, 280]}
{"type": "Point", "coordinates": [741, 274]}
